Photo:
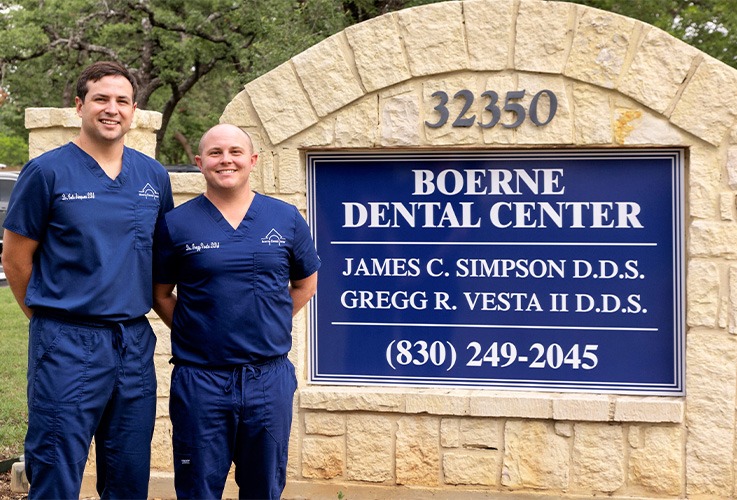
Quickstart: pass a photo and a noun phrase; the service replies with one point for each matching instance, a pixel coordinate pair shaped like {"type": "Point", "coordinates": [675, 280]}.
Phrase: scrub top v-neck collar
{"type": "Point", "coordinates": [242, 230]}
{"type": "Point", "coordinates": [98, 172]}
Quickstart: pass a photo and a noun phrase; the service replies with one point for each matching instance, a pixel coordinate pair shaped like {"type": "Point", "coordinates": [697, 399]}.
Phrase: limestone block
{"type": "Point", "coordinates": [489, 29]}
{"type": "Point", "coordinates": [150, 121]}
{"type": "Point", "coordinates": [599, 47]}
{"type": "Point", "coordinates": [142, 140]}
{"type": "Point", "coordinates": [163, 375]}
{"type": "Point", "coordinates": [187, 182]}
{"type": "Point", "coordinates": [451, 85]}
{"type": "Point", "coordinates": [732, 167]}
{"type": "Point", "coordinates": [351, 399]}
{"type": "Point", "coordinates": [162, 407]}
{"type": "Point", "coordinates": [52, 117]}
{"type": "Point", "coordinates": [450, 432]}
{"type": "Point", "coordinates": [357, 125]}
{"type": "Point", "coordinates": [543, 47]}
{"type": "Point", "coordinates": [299, 200]}
{"type": "Point", "coordinates": [295, 439]}
{"type": "Point", "coordinates": [591, 408]}
{"type": "Point", "coordinates": [320, 134]}
{"type": "Point", "coordinates": [240, 112]}
{"type": "Point", "coordinates": [710, 415]}
{"type": "Point", "coordinates": [708, 106]}
{"type": "Point", "coordinates": [525, 466]}
{"type": "Point", "coordinates": [378, 51]}
{"type": "Point", "coordinates": [181, 198]}
{"type": "Point", "coordinates": [276, 96]}
{"type": "Point", "coordinates": [705, 170]}
{"type": "Point", "coordinates": [733, 299]}
{"type": "Point", "coordinates": [18, 478]}
{"type": "Point", "coordinates": [267, 167]}
{"type": "Point", "coordinates": [400, 119]}
{"type": "Point", "coordinates": [649, 409]}
{"type": "Point", "coordinates": [500, 83]}
{"type": "Point", "coordinates": [163, 335]}
{"type": "Point", "coordinates": [290, 172]}
{"type": "Point", "coordinates": [560, 128]}
{"type": "Point", "coordinates": [526, 405]}
{"type": "Point", "coordinates": [726, 206]}
{"type": "Point", "coordinates": [370, 448]}
{"type": "Point", "coordinates": [256, 179]}
{"type": "Point", "coordinates": [471, 468]}
{"type": "Point", "coordinates": [326, 72]}
{"type": "Point", "coordinates": [324, 424]}
{"type": "Point", "coordinates": [658, 69]}
{"type": "Point", "coordinates": [564, 429]}
{"type": "Point", "coordinates": [657, 464]}
{"type": "Point", "coordinates": [641, 127]}
{"type": "Point", "coordinates": [713, 239]}
{"type": "Point", "coordinates": [161, 447]}
{"type": "Point", "coordinates": [42, 140]}
{"type": "Point", "coordinates": [434, 38]}
{"type": "Point", "coordinates": [598, 463]}
{"type": "Point", "coordinates": [592, 119]}
{"type": "Point", "coordinates": [417, 452]}
{"type": "Point", "coordinates": [482, 433]}
{"type": "Point", "coordinates": [453, 402]}
{"type": "Point", "coordinates": [702, 292]}
{"type": "Point", "coordinates": [322, 457]}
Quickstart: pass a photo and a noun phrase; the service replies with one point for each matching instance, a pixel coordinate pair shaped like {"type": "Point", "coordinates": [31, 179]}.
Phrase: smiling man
{"type": "Point", "coordinates": [78, 257]}
{"type": "Point", "coordinates": [243, 264]}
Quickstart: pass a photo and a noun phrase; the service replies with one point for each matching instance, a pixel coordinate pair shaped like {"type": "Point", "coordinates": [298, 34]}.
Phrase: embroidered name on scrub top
{"type": "Point", "coordinates": [198, 247]}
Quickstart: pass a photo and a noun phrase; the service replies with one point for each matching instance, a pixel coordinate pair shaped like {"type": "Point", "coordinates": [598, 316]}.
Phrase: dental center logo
{"type": "Point", "coordinates": [76, 196]}
{"type": "Point", "coordinates": [273, 237]}
{"type": "Point", "coordinates": [198, 247]}
{"type": "Point", "coordinates": [148, 192]}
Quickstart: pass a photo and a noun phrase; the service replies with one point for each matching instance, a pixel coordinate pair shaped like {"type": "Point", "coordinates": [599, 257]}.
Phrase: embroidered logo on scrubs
{"type": "Point", "coordinates": [273, 237]}
{"type": "Point", "coordinates": [198, 247]}
{"type": "Point", "coordinates": [148, 191]}
{"type": "Point", "coordinates": [76, 196]}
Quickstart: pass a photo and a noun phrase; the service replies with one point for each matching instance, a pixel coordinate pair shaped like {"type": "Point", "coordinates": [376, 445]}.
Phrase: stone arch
{"type": "Point", "coordinates": [620, 83]}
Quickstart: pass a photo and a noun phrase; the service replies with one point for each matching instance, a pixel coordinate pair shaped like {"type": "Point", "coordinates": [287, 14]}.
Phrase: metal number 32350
{"type": "Point", "coordinates": [492, 111]}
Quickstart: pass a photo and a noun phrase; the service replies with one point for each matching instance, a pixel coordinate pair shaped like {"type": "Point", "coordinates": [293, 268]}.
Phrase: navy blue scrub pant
{"type": "Point", "coordinates": [240, 416]}
{"type": "Point", "coordinates": [88, 379]}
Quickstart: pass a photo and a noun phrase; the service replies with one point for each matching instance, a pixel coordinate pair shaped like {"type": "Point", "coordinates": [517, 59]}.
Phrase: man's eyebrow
{"type": "Point", "coordinates": [107, 96]}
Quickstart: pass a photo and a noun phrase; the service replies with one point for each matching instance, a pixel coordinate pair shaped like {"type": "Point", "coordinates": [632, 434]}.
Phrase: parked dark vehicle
{"type": "Point", "coordinates": [182, 168]}
{"type": "Point", "coordinates": [7, 181]}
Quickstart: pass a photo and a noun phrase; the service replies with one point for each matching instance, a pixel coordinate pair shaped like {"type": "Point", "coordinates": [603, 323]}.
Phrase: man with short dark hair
{"type": "Point", "coordinates": [243, 264]}
{"type": "Point", "coordinates": [77, 255]}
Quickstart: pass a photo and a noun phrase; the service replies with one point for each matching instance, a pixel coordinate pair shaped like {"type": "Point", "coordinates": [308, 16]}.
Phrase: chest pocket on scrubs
{"type": "Point", "coordinates": [270, 272]}
{"type": "Point", "coordinates": [146, 215]}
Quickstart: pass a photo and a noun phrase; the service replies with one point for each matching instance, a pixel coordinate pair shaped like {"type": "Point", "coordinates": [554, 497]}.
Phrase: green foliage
{"type": "Point", "coordinates": [13, 364]}
{"type": "Point", "coordinates": [13, 151]}
{"type": "Point", "coordinates": [173, 47]}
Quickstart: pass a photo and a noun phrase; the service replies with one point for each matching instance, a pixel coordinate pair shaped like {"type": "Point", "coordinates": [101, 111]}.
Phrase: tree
{"type": "Point", "coordinates": [170, 46]}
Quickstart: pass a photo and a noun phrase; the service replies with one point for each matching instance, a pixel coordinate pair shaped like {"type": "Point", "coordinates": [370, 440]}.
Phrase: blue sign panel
{"type": "Point", "coordinates": [536, 270]}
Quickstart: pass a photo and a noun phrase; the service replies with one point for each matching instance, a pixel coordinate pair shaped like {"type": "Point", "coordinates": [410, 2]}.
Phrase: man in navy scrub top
{"type": "Point", "coordinates": [244, 264]}
{"type": "Point", "coordinates": [77, 256]}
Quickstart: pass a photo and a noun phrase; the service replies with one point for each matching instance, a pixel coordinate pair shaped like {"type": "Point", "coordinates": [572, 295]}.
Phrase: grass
{"type": "Point", "coordinates": [13, 365]}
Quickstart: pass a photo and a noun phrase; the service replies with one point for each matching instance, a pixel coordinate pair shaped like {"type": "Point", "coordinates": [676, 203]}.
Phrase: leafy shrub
{"type": "Point", "coordinates": [13, 151]}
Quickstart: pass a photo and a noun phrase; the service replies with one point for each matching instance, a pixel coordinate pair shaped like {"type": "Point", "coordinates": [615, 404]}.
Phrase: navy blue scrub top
{"type": "Point", "coordinates": [95, 234]}
{"type": "Point", "coordinates": [233, 303]}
